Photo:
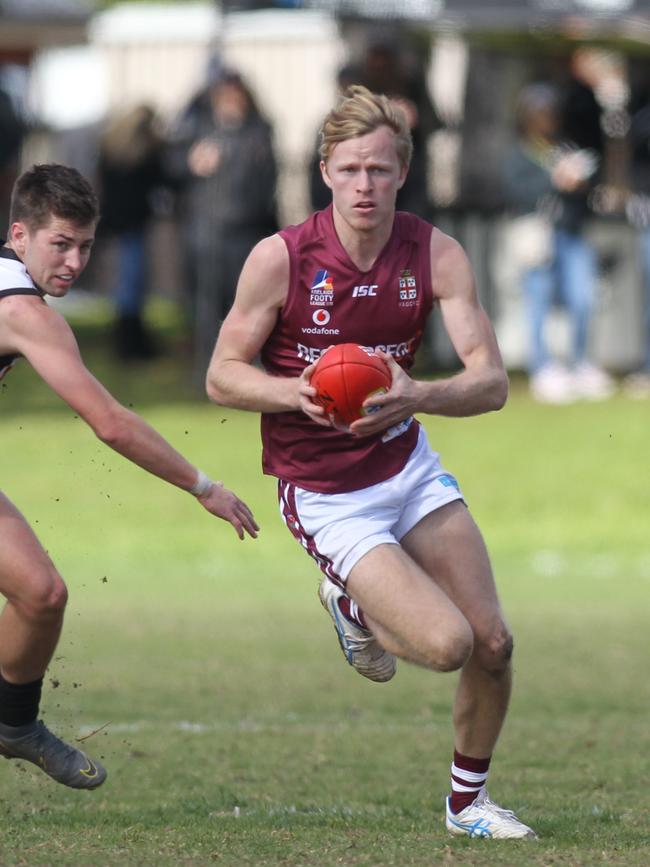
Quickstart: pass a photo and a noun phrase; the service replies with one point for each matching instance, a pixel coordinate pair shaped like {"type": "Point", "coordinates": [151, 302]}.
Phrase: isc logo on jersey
{"type": "Point", "coordinates": [322, 290]}
{"type": "Point", "coordinates": [408, 289]}
{"type": "Point", "coordinates": [368, 291]}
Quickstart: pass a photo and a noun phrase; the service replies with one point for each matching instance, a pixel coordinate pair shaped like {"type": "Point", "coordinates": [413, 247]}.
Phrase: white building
{"type": "Point", "coordinates": [159, 54]}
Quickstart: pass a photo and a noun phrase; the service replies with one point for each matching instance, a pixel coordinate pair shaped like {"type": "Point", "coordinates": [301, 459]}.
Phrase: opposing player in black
{"type": "Point", "coordinates": [52, 225]}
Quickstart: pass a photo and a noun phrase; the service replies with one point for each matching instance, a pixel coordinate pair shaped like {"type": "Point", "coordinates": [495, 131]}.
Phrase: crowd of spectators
{"type": "Point", "coordinates": [215, 171]}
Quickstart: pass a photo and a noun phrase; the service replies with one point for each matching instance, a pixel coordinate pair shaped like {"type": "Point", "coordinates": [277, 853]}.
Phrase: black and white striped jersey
{"type": "Point", "coordinates": [14, 280]}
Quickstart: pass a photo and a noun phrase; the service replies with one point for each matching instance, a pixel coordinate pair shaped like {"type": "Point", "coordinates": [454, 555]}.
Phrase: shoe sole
{"type": "Point", "coordinates": [382, 676]}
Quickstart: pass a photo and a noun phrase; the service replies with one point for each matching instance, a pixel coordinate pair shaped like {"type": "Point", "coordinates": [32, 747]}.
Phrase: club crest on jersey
{"type": "Point", "coordinates": [408, 289]}
{"type": "Point", "coordinates": [322, 290]}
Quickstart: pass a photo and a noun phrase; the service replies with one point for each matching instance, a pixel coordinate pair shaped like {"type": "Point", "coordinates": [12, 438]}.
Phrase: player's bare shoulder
{"type": "Point", "coordinates": [17, 312]}
{"type": "Point", "coordinates": [265, 274]}
{"type": "Point", "coordinates": [26, 320]}
{"type": "Point", "coordinates": [451, 272]}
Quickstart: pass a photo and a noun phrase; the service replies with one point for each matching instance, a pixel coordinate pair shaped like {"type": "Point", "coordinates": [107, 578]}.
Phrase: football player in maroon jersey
{"type": "Point", "coordinates": [406, 571]}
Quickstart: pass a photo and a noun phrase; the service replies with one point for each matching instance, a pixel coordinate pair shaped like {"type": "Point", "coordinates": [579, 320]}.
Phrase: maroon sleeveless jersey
{"type": "Point", "coordinates": [330, 301]}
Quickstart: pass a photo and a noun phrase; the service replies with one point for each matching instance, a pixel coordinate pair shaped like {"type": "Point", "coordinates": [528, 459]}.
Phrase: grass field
{"type": "Point", "coordinates": [233, 731]}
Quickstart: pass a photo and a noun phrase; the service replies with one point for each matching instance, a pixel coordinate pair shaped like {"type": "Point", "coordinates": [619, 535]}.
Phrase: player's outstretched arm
{"type": "Point", "coordinates": [45, 339]}
{"type": "Point", "coordinates": [224, 504]}
{"type": "Point", "coordinates": [232, 378]}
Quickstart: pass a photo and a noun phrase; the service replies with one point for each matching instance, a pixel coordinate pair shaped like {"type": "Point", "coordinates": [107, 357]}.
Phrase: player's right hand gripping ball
{"type": "Point", "coordinates": [344, 376]}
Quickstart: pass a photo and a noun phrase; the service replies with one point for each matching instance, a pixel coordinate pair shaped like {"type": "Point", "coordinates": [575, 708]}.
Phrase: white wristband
{"type": "Point", "coordinates": [202, 484]}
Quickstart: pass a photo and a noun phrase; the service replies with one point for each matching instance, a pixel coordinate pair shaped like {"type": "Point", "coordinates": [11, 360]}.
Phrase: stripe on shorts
{"type": "Point", "coordinates": [289, 512]}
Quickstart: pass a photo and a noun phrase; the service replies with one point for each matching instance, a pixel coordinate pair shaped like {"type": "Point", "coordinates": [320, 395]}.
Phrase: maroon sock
{"type": "Point", "coordinates": [468, 777]}
{"type": "Point", "coordinates": [351, 611]}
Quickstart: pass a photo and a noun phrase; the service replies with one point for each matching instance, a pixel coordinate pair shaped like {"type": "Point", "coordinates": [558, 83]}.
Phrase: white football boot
{"type": "Point", "coordinates": [360, 647]}
{"type": "Point", "coordinates": [483, 818]}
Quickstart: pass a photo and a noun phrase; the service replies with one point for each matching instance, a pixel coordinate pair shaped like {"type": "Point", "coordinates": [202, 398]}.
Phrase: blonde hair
{"type": "Point", "coordinates": [359, 112]}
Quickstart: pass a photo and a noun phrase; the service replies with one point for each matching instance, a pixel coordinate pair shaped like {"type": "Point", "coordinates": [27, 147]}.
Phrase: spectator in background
{"type": "Point", "coordinates": [223, 159]}
{"type": "Point", "coordinates": [547, 181]}
{"type": "Point", "coordinates": [638, 212]}
{"type": "Point", "coordinates": [130, 171]}
{"type": "Point", "coordinates": [320, 195]}
{"type": "Point", "coordinates": [12, 132]}
{"type": "Point", "coordinates": [383, 69]}
{"type": "Point", "coordinates": [582, 113]}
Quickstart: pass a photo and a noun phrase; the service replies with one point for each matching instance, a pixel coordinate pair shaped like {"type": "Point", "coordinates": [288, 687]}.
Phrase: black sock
{"type": "Point", "coordinates": [19, 702]}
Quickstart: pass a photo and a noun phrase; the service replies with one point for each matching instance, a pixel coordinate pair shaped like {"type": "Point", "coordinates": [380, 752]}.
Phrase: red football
{"type": "Point", "coordinates": [345, 375]}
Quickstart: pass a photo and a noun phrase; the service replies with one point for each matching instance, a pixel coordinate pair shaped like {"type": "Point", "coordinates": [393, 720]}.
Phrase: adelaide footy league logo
{"type": "Point", "coordinates": [322, 290]}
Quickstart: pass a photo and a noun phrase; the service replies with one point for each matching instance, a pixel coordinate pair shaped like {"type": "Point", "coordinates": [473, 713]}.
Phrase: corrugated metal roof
{"type": "Point", "coordinates": [500, 12]}
{"type": "Point", "coordinates": [29, 25]}
{"type": "Point", "coordinates": [41, 11]}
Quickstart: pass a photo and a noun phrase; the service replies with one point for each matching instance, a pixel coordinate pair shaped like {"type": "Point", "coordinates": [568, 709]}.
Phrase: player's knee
{"type": "Point", "coordinates": [45, 600]}
{"type": "Point", "coordinates": [456, 652]}
{"type": "Point", "coordinates": [451, 650]}
{"type": "Point", "coordinates": [495, 651]}
{"type": "Point", "coordinates": [58, 596]}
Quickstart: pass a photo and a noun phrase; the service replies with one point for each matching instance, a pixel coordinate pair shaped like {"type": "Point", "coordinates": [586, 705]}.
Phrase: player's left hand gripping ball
{"type": "Point", "coordinates": [344, 377]}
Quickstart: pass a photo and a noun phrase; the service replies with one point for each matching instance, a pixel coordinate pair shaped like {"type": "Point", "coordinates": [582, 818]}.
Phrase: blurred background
{"type": "Point", "coordinates": [198, 122]}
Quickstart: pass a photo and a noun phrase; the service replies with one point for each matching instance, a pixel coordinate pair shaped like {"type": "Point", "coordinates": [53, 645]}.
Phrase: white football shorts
{"type": "Point", "coordinates": [338, 529]}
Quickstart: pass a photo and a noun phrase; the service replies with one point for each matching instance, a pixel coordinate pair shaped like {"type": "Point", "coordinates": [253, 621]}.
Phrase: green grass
{"type": "Point", "coordinates": [234, 732]}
